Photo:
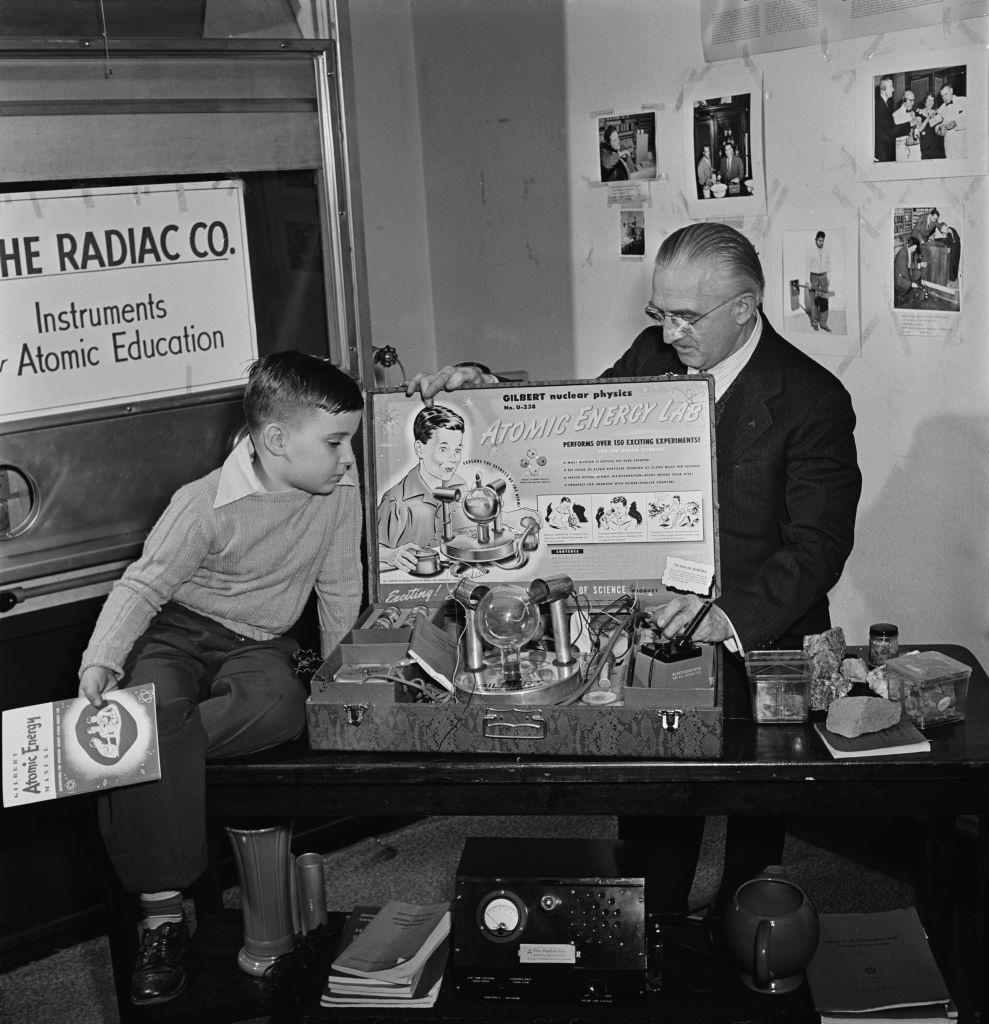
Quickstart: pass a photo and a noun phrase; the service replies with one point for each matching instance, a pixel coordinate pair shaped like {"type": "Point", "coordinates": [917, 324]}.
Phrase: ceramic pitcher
{"type": "Point", "coordinates": [771, 931]}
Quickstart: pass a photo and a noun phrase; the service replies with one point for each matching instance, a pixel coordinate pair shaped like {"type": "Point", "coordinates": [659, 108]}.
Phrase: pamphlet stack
{"type": "Point", "coordinates": [394, 955]}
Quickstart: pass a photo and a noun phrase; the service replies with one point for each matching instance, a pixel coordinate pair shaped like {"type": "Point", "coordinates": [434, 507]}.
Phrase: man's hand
{"type": "Point", "coordinates": [96, 680]}
{"type": "Point", "coordinates": [674, 616]}
{"type": "Point", "coordinates": [450, 378]}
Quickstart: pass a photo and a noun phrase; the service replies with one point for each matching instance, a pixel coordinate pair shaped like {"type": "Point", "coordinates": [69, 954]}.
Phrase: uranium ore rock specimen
{"type": "Point", "coordinates": [853, 716]}
{"type": "Point", "coordinates": [826, 652]}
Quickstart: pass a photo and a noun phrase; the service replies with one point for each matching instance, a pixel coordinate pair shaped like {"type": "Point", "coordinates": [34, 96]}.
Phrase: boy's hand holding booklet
{"type": "Point", "coordinates": [68, 747]}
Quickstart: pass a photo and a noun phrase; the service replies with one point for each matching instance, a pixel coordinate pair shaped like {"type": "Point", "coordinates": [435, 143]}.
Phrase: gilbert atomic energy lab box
{"type": "Point", "coordinates": [610, 483]}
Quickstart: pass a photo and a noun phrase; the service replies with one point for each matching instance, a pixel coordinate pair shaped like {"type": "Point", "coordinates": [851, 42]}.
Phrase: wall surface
{"type": "Point", "coordinates": [393, 190]}
{"type": "Point", "coordinates": [525, 270]}
{"type": "Point", "coordinates": [492, 100]}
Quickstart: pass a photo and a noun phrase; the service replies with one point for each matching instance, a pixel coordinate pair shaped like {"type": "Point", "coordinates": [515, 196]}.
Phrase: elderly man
{"type": "Point", "coordinates": [788, 477]}
{"type": "Point", "coordinates": [887, 130]}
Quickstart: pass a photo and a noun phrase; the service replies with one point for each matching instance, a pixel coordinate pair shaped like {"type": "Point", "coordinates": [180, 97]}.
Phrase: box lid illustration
{"type": "Point", "coordinates": [609, 482]}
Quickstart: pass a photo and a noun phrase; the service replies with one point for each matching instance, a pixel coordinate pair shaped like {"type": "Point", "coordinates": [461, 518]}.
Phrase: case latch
{"type": "Point", "coordinates": [670, 719]}
{"type": "Point", "coordinates": [355, 713]}
{"type": "Point", "coordinates": [513, 723]}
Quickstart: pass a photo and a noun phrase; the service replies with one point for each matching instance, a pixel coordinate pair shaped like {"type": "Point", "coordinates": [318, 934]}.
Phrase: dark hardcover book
{"type": "Point", "coordinates": [902, 738]}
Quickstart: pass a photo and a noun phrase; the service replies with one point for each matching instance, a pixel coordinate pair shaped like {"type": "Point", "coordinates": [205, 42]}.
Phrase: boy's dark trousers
{"type": "Point", "coordinates": [217, 695]}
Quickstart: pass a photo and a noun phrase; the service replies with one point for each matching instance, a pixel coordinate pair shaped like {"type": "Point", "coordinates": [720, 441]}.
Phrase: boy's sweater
{"type": "Point", "coordinates": [250, 564]}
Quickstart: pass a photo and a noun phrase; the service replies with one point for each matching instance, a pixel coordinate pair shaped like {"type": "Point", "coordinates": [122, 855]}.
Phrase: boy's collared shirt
{"type": "Point", "coordinates": [238, 479]}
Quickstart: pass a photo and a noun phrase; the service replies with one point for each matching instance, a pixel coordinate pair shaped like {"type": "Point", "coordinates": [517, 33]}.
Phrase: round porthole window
{"type": "Point", "coordinates": [20, 501]}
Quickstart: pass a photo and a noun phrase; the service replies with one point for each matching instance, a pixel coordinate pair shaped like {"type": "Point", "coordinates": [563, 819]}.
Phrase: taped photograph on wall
{"type": "Point", "coordinates": [722, 144]}
{"type": "Point", "coordinates": [627, 146]}
{"type": "Point", "coordinates": [923, 116]}
{"type": "Point", "coordinates": [633, 233]}
{"type": "Point", "coordinates": [818, 285]}
{"type": "Point", "coordinates": [926, 254]}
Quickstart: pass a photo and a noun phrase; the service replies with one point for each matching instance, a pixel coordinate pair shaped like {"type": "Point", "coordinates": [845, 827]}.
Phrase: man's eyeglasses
{"type": "Point", "coordinates": [685, 324]}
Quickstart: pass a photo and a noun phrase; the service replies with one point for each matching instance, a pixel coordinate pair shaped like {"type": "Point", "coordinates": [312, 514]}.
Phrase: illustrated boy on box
{"type": "Point", "coordinates": [225, 573]}
{"type": "Point", "coordinates": [409, 515]}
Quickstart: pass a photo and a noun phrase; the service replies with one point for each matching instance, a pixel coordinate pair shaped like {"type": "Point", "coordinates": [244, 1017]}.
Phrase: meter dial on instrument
{"type": "Point", "coordinates": [501, 915]}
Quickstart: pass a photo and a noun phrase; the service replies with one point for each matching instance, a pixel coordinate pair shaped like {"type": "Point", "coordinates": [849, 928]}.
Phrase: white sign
{"type": "Point", "coordinates": [117, 294]}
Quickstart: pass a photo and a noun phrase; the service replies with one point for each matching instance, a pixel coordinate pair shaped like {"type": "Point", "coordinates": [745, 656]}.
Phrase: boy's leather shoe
{"type": "Point", "coordinates": [159, 974]}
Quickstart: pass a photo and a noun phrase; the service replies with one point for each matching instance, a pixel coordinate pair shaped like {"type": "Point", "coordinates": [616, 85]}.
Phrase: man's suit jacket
{"type": "Point", "coordinates": [887, 131]}
{"type": "Point", "coordinates": [788, 485]}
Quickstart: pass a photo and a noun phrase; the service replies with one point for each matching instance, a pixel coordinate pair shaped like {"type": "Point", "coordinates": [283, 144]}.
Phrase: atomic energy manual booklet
{"type": "Point", "coordinates": [68, 746]}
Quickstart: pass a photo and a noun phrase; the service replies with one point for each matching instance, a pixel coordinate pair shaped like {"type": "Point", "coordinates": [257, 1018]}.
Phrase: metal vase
{"type": "Point", "coordinates": [264, 867]}
{"type": "Point", "coordinates": [312, 891]}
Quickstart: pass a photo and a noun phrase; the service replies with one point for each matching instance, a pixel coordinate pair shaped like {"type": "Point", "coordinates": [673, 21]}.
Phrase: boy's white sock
{"type": "Point", "coordinates": [159, 907]}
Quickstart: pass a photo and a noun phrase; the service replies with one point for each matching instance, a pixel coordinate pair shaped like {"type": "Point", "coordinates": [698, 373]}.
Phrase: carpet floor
{"type": "Point", "coordinates": [418, 863]}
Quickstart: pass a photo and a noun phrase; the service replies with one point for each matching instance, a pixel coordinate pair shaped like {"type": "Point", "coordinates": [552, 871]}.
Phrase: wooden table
{"type": "Point", "coordinates": [776, 769]}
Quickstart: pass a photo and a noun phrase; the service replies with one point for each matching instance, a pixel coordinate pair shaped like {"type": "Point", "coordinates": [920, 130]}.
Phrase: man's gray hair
{"type": "Point", "coordinates": [726, 251]}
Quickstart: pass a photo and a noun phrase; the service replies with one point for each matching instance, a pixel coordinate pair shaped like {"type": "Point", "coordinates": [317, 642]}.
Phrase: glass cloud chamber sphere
{"type": "Point", "coordinates": [508, 618]}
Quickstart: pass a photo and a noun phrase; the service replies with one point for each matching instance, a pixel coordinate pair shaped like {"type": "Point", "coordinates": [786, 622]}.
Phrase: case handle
{"type": "Point", "coordinates": [497, 725]}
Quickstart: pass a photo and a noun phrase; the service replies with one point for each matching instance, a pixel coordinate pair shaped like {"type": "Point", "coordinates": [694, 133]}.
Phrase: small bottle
{"type": "Point", "coordinates": [387, 617]}
{"type": "Point", "coordinates": [884, 643]}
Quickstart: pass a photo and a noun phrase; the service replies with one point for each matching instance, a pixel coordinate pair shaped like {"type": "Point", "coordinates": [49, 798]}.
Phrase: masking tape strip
{"type": "Point", "coordinates": [780, 199]}
{"type": "Point", "coordinates": [824, 44]}
{"type": "Point", "coordinates": [973, 36]}
{"type": "Point", "coordinates": [595, 114]}
{"type": "Point", "coordinates": [843, 200]}
{"type": "Point", "coordinates": [952, 335]}
{"type": "Point", "coordinates": [870, 185]}
{"type": "Point", "coordinates": [946, 20]}
{"type": "Point", "coordinates": [754, 73]}
{"type": "Point", "coordinates": [870, 328]}
{"type": "Point", "coordinates": [87, 198]}
{"type": "Point", "coordinates": [871, 231]}
{"type": "Point", "coordinates": [873, 46]}
{"type": "Point", "coordinates": [36, 206]}
{"type": "Point", "coordinates": [904, 343]}
{"type": "Point", "coordinates": [851, 77]}
{"type": "Point", "coordinates": [694, 76]}
{"type": "Point", "coordinates": [974, 185]}
{"type": "Point", "coordinates": [849, 159]}
{"type": "Point", "coordinates": [182, 199]}
{"type": "Point", "coordinates": [653, 106]}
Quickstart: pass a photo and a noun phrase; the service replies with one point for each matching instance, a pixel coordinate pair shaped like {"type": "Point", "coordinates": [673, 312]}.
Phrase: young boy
{"type": "Point", "coordinates": [409, 517]}
{"type": "Point", "coordinates": [202, 614]}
